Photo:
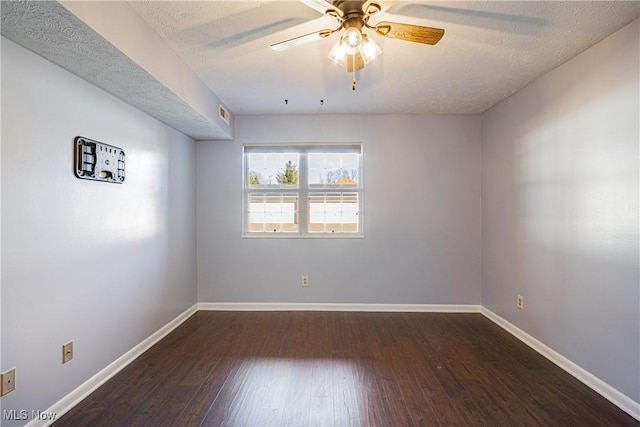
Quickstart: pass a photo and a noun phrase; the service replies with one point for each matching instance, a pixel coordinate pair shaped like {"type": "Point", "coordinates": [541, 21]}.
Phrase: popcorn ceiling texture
{"type": "Point", "coordinates": [490, 50]}
{"type": "Point", "coordinates": [50, 30]}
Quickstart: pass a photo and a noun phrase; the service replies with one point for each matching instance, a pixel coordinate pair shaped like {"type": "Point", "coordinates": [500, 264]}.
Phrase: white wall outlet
{"type": "Point", "coordinates": [520, 302]}
{"type": "Point", "coordinates": [67, 352]}
{"type": "Point", "coordinates": [305, 281]}
{"type": "Point", "coordinates": [8, 381]}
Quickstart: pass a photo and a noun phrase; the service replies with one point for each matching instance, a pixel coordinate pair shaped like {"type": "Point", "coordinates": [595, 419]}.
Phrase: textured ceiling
{"type": "Point", "coordinates": [180, 60]}
{"type": "Point", "coordinates": [489, 51]}
{"type": "Point", "coordinates": [49, 29]}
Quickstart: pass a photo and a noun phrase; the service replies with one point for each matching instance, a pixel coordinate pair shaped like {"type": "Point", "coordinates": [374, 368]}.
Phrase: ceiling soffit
{"type": "Point", "coordinates": [52, 31]}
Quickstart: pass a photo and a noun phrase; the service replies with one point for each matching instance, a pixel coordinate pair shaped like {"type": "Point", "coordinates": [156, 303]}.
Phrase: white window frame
{"type": "Point", "coordinates": [304, 190]}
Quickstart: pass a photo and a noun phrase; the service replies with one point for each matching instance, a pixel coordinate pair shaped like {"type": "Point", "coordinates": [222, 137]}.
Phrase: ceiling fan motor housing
{"type": "Point", "coordinates": [348, 6]}
{"type": "Point", "coordinates": [354, 9]}
{"type": "Point", "coordinates": [353, 22]}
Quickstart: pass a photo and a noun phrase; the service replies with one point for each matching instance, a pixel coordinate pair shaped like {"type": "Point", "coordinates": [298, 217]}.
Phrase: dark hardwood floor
{"type": "Point", "coordinates": [342, 369]}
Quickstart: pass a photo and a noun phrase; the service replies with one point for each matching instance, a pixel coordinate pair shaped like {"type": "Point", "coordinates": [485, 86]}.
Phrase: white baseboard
{"type": "Point", "coordinates": [286, 306]}
{"type": "Point", "coordinates": [608, 392]}
{"type": "Point", "coordinates": [65, 404]}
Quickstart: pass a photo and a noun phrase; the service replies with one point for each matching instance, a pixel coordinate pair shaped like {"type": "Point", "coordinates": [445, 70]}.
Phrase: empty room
{"type": "Point", "coordinates": [320, 213]}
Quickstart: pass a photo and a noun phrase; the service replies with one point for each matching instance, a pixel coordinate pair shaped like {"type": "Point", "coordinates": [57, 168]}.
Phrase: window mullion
{"type": "Point", "coordinates": [303, 213]}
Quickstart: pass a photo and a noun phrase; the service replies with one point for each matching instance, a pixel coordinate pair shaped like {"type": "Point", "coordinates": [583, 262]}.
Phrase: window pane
{"type": "Point", "coordinates": [272, 170]}
{"type": "Point", "coordinates": [329, 187]}
{"type": "Point", "coordinates": [333, 169]}
{"type": "Point", "coordinates": [273, 212]}
{"type": "Point", "coordinates": [333, 212]}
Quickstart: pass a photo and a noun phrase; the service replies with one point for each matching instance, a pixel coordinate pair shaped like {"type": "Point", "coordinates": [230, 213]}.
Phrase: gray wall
{"type": "Point", "coordinates": [421, 216]}
{"type": "Point", "coordinates": [104, 265]}
{"type": "Point", "coordinates": [556, 166]}
{"type": "Point", "coordinates": [560, 210]}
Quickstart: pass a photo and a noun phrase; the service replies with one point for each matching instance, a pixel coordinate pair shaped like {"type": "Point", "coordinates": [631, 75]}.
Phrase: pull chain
{"type": "Point", "coordinates": [353, 72]}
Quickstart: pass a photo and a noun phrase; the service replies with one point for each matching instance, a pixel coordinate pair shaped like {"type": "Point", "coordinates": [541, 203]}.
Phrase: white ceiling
{"type": "Point", "coordinates": [180, 60]}
{"type": "Point", "coordinates": [489, 51]}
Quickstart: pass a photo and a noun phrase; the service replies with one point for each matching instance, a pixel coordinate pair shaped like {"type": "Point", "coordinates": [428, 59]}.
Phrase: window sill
{"type": "Point", "coordinates": [301, 236]}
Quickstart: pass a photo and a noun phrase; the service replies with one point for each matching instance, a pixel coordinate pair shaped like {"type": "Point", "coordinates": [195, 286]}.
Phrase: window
{"type": "Point", "coordinates": [303, 190]}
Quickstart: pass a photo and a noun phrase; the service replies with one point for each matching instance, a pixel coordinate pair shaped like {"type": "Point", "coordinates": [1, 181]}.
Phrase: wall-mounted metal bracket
{"type": "Point", "coordinates": [97, 161]}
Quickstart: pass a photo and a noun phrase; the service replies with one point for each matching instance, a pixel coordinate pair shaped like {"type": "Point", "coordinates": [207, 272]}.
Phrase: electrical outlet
{"type": "Point", "coordinates": [520, 302]}
{"type": "Point", "coordinates": [8, 381]}
{"type": "Point", "coordinates": [67, 352]}
{"type": "Point", "coordinates": [305, 281]}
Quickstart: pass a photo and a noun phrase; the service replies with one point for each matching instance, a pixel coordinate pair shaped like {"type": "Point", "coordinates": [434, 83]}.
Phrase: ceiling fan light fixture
{"type": "Point", "coordinates": [352, 40]}
{"type": "Point", "coordinates": [369, 49]}
{"type": "Point", "coordinates": [366, 50]}
{"type": "Point", "coordinates": [338, 53]}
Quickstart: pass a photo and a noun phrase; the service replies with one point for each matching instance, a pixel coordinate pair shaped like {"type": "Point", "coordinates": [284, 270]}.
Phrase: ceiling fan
{"type": "Point", "coordinates": [354, 49]}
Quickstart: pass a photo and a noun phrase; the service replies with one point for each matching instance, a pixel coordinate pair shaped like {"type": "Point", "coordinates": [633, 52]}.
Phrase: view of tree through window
{"type": "Point", "coordinates": [302, 190]}
{"type": "Point", "coordinates": [289, 175]}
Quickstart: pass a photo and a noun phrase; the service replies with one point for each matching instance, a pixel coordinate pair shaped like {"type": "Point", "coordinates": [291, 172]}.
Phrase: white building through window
{"type": "Point", "coordinates": [303, 190]}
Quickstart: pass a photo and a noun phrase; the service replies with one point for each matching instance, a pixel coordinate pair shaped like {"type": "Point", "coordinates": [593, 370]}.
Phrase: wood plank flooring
{"type": "Point", "coordinates": [342, 369]}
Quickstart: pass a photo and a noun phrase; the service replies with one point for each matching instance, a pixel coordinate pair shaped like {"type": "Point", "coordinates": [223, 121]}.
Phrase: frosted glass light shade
{"type": "Point", "coordinates": [369, 49]}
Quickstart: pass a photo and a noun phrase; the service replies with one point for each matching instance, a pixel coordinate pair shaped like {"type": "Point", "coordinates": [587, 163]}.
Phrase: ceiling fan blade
{"type": "Point", "coordinates": [370, 6]}
{"type": "Point", "coordinates": [322, 6]}
{"type": "Point", "coordinates": [297, 41]}
{"type": "Point", "coordinates": [354, 61]}
{"type": "Point", "coordinates": [409, 32]}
